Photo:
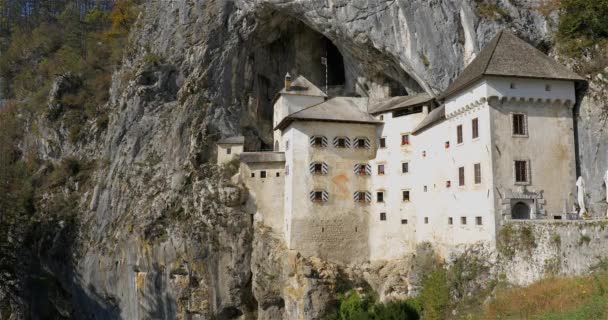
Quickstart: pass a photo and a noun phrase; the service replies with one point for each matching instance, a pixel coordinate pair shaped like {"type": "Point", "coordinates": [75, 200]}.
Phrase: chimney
{"type": "Point", "coordinates": [287, 81]}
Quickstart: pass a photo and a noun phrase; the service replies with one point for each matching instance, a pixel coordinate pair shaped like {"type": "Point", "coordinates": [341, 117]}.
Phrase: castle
{"type": "Point", "coordinates": [354, 180]}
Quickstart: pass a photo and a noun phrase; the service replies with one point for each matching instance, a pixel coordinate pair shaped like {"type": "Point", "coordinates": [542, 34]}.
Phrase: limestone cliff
{"type": "Point", "coordinates": [162, 235]}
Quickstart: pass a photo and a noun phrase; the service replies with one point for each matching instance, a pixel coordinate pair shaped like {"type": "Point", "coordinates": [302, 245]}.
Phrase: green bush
{"type": "Point", "coordinates": [435, 295]}
{"type": "Point", "coordinates": [353, 305]}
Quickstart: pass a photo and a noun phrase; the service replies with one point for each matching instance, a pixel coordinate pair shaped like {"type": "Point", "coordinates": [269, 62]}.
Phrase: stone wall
{"type": "Point", "coordinates": [530, 250]}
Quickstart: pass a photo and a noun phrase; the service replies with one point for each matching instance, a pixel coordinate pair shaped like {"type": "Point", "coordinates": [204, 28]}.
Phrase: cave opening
{"type": "Point", "coordinates": [283, 44]}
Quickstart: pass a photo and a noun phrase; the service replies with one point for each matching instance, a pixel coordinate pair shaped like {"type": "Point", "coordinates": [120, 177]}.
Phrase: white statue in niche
{"type": "Point", "coordinates": [580, 189]}
{"type": "Point", "coordinates": [606, 184]}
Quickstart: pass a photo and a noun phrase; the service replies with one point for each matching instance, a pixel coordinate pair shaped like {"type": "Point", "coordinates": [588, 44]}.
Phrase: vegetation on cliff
{"type": "Point", "coordinates": [39, 41]}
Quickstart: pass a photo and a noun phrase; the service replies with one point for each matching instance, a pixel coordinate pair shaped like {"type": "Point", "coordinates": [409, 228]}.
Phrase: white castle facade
{"type": "Point", "coordinates": [354, 180]}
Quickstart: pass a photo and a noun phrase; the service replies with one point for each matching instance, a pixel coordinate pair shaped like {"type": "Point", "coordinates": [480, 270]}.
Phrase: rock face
{"type": "Point", "coordinates": [162, 232]}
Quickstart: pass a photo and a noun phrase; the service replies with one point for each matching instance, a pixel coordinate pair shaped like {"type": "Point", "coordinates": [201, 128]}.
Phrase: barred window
{"type": "Point", "coordinates": [380, 169]}
{"type": "Point", "coordinates": [318, 141]}
{"type": "Point", "coordinates": [341, 142]}
{"type": "Point", "coordinates": [519, 124]}
{"type": "Point", "coordinates": [362, 169]}
{"type": "Point", "coordinates": [318, 196]}
{"type": "Point", "coordinates": [405, 195]}
{"type": "Point", "coordinates": [362, 196]}
{"type": "Point", "coordinates": [318, 168]}
{"type": "Point", "coordinates": [405, 167]}
{"type": "Point", "coordinates": [382, 216]}
{"type": "Point", "coordinates": [362, 143]}
{"type": "Point", "coordinates": [521, 171]}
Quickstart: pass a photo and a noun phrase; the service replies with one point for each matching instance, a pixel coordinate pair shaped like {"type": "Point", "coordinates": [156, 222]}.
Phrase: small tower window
{"type": "Point", "coordinates": [229, 151]}
{"type": "Point", "coordinates": [405, 195]}
{"type": "Point", "coordinates": [403, 221]}
{"type": "Point", "coordinates": [278, 174]}
{"type": "Point", "coordinates": [383, 142]}
{"type": "Point", "coordinates": [382, 216]}
{"type": "Point", "coordinates": [463, 220]}
{"type": "Point", "coordinates": [405, 139]}
{"type": "Point", "coordinates": [253, 174]}
{"type": "Point", "coordinates": [450, 221]}
{"type": "Point", "coordinates": [426, 220]}
{"type": "Point", "coordinates": [262, 174]}
{"type": "Point", "coordinates": [512, 85]}
{"type": "Point", "coordinates": [380, 196]}
{"type": "Point", "coordinates": [405, 167]}
{"type": "Point", "coordinates": [478, 221]}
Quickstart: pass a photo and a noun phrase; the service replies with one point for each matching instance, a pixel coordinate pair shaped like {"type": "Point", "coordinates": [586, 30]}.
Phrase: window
{"type": "Point", "coordinates": [478, 221]}
{"type": "Point", "coordinates": [405, 139]}
{"type": "Point", "coordinates": [253, 174]}
{"type": "Point", "coordinates": [547, 87]}
{"type": "Point", "coordinates": [262, 174]}
{"type": "Point", "coordinates": [383, 142]}
{"type": "Point", "coordinates": [463, 220]}
{"type": "Point", "coordinates": [448, 184]}
{"type": "Point", "coordinates": [382, 216]}
{"type": "Point", "coordinates": [519, 124]}
{"type": "Point", "coordinates": [405, 167]}
{"type": "Point", "coordinates": [459, 138]}
{"type": "Point", "coordinates": [318, 141]}
{"type": "Point", "coordinates": [426, 220]}
{"type": "Point", "coordinates": [380, 169]}
{"type": "Point", "coordinates": [341, 142]}
{"type": "Point", "coordinates": [278, 174]}
{"type": "Point", "coordinates": [447, 144]}
{"type": "Point", "coordinates": [425, 189]}
{"type": "Point", "coordinates": [521, 171]}
{"type": "Point", "coordinates": [512, 85]}
{"type": "Point", "coordinates": [475, 128]}
{"type": "Point", "coordinates": [362, 196]}
{"type": "Point", "coordinates": [380, 196]}
{"type": "Point", "coordinates": [461, 176]}
{"type": "Point", "coordinates": [405, 195]}
{"type": "Point", "coordinates": [403, 221]}
{"type": "Point", "coordinates": [229, 151]}
{"type": "Point", "coordinates": [407, 111]}
{"type": "Point", "coordinates": [318, 168]}
{"type": "Point", "coordinates": [319, 196]}
{"type": "Point", "coordinates": [450, 221]}
{"type": "Point", "coordinates": [362, 169]}
{"type": "Point", "coordinates": [362, 143]}
{"type": "Point", "coordinates": [477, 169]}
{"type": "Point", "coordinates": [381, 117]}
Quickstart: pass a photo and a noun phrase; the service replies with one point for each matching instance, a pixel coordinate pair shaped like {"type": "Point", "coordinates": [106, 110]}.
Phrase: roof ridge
{"type": "Point", "coordinates": [314, 105]}
{"type": "Point", "coordinates": [499, 37]}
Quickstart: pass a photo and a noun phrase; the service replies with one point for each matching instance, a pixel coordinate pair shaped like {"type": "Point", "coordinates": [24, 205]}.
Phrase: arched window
{"type": "Point", "coordinates": [520, 211]}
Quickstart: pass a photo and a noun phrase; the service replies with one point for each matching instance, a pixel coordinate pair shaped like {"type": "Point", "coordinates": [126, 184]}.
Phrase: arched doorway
{"type": "Point", "coordinates": [520, 211]}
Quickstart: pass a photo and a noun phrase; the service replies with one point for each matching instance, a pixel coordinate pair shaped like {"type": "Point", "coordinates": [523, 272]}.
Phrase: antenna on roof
{"type": "Point", "coordinates": [324, 62]}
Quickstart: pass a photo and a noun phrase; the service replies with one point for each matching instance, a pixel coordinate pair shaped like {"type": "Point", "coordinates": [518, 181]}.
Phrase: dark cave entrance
{"type": "Point", "coordinates": [282, 44]}
{"type": "Point", "coordinates": [335, 65]}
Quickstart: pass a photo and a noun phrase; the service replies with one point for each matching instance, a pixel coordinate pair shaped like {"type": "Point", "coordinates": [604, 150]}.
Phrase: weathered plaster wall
{"type": "Point", "coordinates": [336, 230]}
{"type": "Point", "coordinates": [222, 152]}
{"type": "Point", "coordinates": [265, 194]}
{"type": "Point", "coordinates": [391, 239]}
{"type": "Point", "coordinates": [439, 203]}
{"type": "Point", "coordinates": [549, 144]}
